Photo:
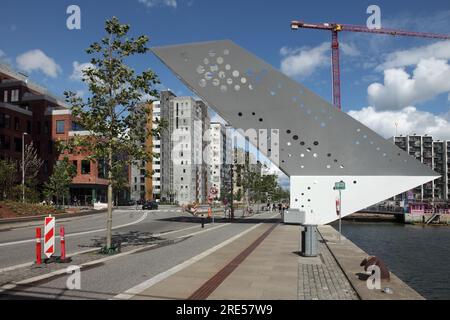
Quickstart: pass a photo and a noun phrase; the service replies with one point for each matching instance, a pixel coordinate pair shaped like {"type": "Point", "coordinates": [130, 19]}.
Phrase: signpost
{"type": "Point", "coordinates": [212, 194]}
{"type": "Point", "coordinates": [339, 186]}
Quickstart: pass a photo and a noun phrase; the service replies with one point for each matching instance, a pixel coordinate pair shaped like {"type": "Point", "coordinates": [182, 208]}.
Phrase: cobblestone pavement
{"type": "Point", "coordinates": [321, 278]}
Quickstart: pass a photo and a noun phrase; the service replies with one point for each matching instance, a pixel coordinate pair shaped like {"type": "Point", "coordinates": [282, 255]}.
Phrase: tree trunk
{"type": "Point", "coordinates": [110, 207]}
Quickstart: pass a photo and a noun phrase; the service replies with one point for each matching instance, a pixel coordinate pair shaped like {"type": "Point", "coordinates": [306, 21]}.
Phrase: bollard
{"type": "Point", "coordinates": [63, 243]}
{"type": "Point", "coordinates": [38, 246]}
{"type": "Point", "coordinates": [203, 222]}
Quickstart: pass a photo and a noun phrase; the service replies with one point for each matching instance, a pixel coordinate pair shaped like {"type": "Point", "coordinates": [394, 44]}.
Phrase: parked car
{"type": "Point", "coordinates": [150, 205]}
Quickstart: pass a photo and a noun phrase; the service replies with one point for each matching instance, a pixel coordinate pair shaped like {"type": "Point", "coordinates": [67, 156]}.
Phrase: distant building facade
{"type": "Point", "coordinates": [29, 110]}
{"type": "Point", "coordinates": [436, 155]}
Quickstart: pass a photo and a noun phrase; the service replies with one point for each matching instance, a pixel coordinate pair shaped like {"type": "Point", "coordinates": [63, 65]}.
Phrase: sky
{"type": "Point", "coordinates": [392, 84]}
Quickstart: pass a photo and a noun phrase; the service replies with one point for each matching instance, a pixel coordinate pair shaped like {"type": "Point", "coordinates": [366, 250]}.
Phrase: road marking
{"type": "Point", "coordinates": [130, 293]}
{"type": "Point", "coordinates": [63, 270]}
{"type": "Point", "coordinates": [78, 233]}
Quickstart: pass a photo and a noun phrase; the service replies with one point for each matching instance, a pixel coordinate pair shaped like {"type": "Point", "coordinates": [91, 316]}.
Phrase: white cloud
{"type": "Point", "coordinates": [78, 68]}
{"type": "Point", "coordinates": [410, 57]}
{"type": "Point", "coordinates": [429, 79]}
{"type": "Point", "coordinates": [409, 121]}
{"type": "Point", "coordinates": [303, 62]}
{"type": "Point", "coordinates": [155, 3]}
{"type": "Point", "coordinates": [36, 60]}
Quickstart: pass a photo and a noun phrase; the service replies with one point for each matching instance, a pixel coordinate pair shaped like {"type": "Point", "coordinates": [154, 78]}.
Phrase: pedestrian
{"type": "Point", "coordinates": [279, 207]}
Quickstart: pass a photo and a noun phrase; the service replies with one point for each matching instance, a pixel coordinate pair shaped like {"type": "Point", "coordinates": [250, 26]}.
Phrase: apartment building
{"type": "Point", "coordinates": [436, 155]}
{"type": "Point", "coordinates": [220, 158]}
{"type": "Point", "coordinates": [190, 171]}
{"type": "Point", "coordinates": [29, 111]}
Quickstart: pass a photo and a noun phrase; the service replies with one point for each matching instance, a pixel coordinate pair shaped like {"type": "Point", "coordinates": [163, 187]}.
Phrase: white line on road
{"type": "Point", "coordinates": [78, 233]}
{"type": "Point", "coordinates": [130, 293]}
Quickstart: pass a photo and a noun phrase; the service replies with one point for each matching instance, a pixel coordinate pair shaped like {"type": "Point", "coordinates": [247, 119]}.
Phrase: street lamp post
{"type": "Point", "coordinates": [23, 166]}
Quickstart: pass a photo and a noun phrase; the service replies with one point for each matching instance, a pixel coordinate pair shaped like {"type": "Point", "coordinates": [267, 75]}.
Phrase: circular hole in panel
{"type": "Point", "coordinates": [216, 82]}
{"type": "Point", "coordinates": [253, 114]}
{"type": "Point", "coordinates": [302, 155]}
{"type": "Point", "coordinates": [316, 143]}
{"type": "Point", "coordinates": [315, 155]}
{"type": "Point", "coordinates": [222, 75]}
{"type": "Point", "coordinates": [227, 67]}
{"type": "Point", "coordinates": [329, 155]}
{"type": "Point", "coordinates": [295, 137]}
{"type": "Point", "coordinates": [328, 167]}
{"type": "Point", "coordinates": [302, 143]}
{"type": "Point", "coordinates": [229, 81]}
{"type": "Point", "coordinates": [226, 52]}
{"type": "Point", "coordinates": [358, 130]}
{"type": "Point", "coordinates": [250, 87]}
{"type": "Point", "coordinates": [309, 188]}
{"type": "Point", "coordinates": [219, 60]}
{"type": "Point", "coordinates": [288, 131]}
{"type": "Point", "coordinates": [206, 61]}
{"type": "Point", "coordinates": [309, 149]}
{"type": "Point", "coordinates": [200, 69]}
{"type": "Point", "coordinates": [296, 200]}
{"type": "Point", "coordinates": [235, 73]}
{"type": "Point", "coordinates": [303, 167]}
{"type": "Point", "coordinates": [202, 83]}
{"type": "Point", "coordinates": [261, 120]}
{"type": "Point", "coordinates": [354, 182]}
{"type": "Point", "coordinates": [208, 76]}
{"type": "Point", "coordinates": [341, 166]}
{"type": "Point", "coordinates": [243, 80]}
{"type": "Point", "coordinates": [237, 87]}
{"type": "Point", "coordinates": [240, 114]}
{"type": "Point", "coordinates": [303, 194]}
{"type": "Point", "coordinates": [223, 88]}
{"type": "Point", "coordinates": [309, 200]}
{"type": "Point", "coordinates": [335, 161]}
{"type": "Point", "coordinates": [289, 144]}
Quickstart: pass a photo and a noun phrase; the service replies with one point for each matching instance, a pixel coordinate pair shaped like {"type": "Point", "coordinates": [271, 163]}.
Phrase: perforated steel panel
{"type": "Point", "coordinates": [315, 138]}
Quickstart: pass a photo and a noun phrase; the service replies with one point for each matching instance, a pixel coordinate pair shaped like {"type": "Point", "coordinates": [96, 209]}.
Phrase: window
{"type": "Point", "coordinates": [85, 167]}
{"type": "Point", "coordinates": [60, 126]}
{"type": "Point", "coordinates": [28, 126]}
{"type": "Point", "coordinates": [15, 95]}
{"type": "Point", "coordinates": [50, 147]}
{"type": "Point", "coordinates": [75, 164]}
{"type": "Point", "coordinates": [45, 166]}
{"type": "Point", "coordinates": [101, 167]}
{"type": "Point", "coordinates": [18, 144]}
{"type": "Point", "coordinates": [4, 142]}
{"type": "Point", "coordinates": [16, 124]}
{"type": "Point", "coordinates": [46, 127]}
{"type": "Point", "coordinates": [5, 96]}
{"type": "Point", "coordinates": [142, 180]}
{"type": "Point", "coordinates": [5, 121]}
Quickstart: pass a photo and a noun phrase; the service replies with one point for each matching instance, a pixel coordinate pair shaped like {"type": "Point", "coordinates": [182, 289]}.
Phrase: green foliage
{"type": "Point", "coordinates": [59, 182]}
{"type": "Point", "coordinates": [8, 172]}
{"type": "Point", "coordinates": [111, 113]}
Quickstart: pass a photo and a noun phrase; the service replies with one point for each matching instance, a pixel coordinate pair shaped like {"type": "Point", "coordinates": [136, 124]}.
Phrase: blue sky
{"type": "Point", "coordinates": [385, 80]}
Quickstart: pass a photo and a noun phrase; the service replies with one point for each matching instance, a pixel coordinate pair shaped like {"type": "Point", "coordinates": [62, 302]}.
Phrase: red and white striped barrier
{"type": "Point", "coordinates": [49, 236]}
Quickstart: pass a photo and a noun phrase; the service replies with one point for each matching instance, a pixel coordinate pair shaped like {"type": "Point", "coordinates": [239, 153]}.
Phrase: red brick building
{"type": "Point", "coordinates": [28, 111]}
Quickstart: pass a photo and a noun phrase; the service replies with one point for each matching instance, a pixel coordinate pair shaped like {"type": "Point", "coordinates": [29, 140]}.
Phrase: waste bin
{"type": "Point", "coordinates": [309, 241]}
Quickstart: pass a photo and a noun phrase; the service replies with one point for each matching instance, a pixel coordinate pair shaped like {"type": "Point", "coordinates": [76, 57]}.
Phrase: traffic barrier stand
{"type": "Point", "coordinates": [38, 246]}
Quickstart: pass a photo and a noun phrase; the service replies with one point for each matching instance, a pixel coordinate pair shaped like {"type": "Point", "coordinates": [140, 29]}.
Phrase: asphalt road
{"type": "Point", "coordinates": [118, 275]}
{"type": "Point", "coordinates": [17, 245]}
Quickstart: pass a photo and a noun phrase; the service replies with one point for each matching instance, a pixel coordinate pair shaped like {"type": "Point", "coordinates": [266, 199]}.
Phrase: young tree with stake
{"type": "Point", "coordinates": [110, 114]}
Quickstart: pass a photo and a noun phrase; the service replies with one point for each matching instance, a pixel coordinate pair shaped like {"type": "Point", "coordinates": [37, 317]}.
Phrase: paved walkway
{"type": "Point", "coordinates": [262, 264]}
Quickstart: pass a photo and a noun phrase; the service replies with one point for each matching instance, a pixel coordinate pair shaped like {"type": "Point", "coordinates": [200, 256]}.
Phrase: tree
{"type": "Point", "coordinates": [32, 164]}
{"type": "Point", "coordinates": [8, 171]}
{"type": "Point", "coordinates": [58, 185]}
{"type": "Point", "coordinates": [109, 113]}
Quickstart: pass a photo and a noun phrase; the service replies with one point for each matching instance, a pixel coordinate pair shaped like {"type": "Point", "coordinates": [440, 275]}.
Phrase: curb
{"type": "Point", "coordinates": [62, 215]}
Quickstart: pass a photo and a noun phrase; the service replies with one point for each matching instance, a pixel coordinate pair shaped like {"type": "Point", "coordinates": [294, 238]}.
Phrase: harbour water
{"type": "Point", "coordinates": [420, 256]}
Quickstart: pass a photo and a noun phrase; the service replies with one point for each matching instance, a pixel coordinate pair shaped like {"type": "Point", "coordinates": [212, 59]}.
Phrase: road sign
{"type": "Point", "coordinates": [339, 185]}
{"type": "Point", "coordinates": [49, 236]}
